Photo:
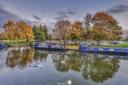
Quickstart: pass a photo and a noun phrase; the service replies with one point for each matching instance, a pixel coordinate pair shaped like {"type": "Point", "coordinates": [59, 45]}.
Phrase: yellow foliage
{"type": "Point", "coordinates": [18, 30]}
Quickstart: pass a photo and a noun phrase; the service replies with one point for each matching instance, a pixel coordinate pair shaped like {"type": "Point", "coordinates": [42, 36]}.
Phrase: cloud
{"type": "Point", "coordinates": [36, 17]}
{"type": "Point", "coordinates": [118, 9]}
{"type": "Point", "coordinates": [50, 26]}
{"type": "Point", "coordinates": [61, 12]}
{"type": "Point", "coordinates": [71, 12]}
{"type": "Point", "coordinates": [5, 15]}
{"type": "Point", "coordinates": [61, 15]}
{"type": "Point", "coordinates": [65, 14]}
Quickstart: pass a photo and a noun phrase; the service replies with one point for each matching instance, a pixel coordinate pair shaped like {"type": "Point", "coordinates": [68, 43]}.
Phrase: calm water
{"type": "Point", "coordinates": [25, 66]}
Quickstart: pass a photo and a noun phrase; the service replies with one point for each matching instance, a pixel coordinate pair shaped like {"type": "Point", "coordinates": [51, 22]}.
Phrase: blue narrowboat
{"type": "Point", "coordinates": [85, 48]}
{"type": "Point", "coordinates": [49, 46]}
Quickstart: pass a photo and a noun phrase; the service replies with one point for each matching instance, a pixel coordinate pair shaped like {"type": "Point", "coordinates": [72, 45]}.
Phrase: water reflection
{"type": "Point", "coordinates": [20, 58]}
{"type": "Point", "coordinates": [92, 67]}
{"type": "Point", "coordinates": [97, 68]}
{"type": "Point", "coordinates": [65, 62]}
{"type": "Point", "coordinates": [40, 55]}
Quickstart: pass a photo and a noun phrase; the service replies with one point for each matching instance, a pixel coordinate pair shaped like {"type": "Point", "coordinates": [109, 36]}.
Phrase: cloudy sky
{"type": "Point", "coordinates": [48, 11]}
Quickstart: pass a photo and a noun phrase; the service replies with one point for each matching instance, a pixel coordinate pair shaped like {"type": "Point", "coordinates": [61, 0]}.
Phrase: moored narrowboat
{"type": "Point", "coordinates": [85, 48]}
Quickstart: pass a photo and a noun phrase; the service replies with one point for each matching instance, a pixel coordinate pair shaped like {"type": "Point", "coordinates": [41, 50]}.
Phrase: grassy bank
{"type": "Point", "coordinates": [72, 46]}
{"type": "Point", "coordinates": [16, 42]}
{"type": "Point", "coordinates": [124, 45]}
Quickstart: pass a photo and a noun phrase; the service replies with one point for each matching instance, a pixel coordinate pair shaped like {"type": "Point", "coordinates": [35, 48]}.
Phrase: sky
{"type": "Point", "coordinates": [49, 11]}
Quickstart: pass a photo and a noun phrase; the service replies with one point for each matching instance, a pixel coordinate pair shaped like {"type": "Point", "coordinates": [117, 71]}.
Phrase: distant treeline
{"type": "Point", "coordinates": [100, 26]}
{"type": "Point", "coordinates": [23, 31]}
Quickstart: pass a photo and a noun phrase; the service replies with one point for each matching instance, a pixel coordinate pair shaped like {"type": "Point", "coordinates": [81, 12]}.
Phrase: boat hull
{"type": "Point", "coordinates": [51, 49]}
{"type": "Point", "coordinates": [115, 51]}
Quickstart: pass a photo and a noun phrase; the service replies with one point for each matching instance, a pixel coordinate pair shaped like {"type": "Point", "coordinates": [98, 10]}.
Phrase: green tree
{"type": "Point", "coordinates": [40, 33]}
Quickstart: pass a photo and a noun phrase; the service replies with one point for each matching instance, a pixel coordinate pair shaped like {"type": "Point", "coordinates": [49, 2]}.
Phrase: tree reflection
{"type": "Point", "coordinates": [59, 59]}
{"type": "Point", "coordinates": [40, 55]}
{"type": "Point", "coordinates": [74, 61]}
{"type": "Point", "coordinates": [99, 69]}
{"type": "Point", "coordinates": [92, 67]}
{"type": "Point", "coordinates": [67, 61]}
{"type": "Point", "coordinates": [20, 57]}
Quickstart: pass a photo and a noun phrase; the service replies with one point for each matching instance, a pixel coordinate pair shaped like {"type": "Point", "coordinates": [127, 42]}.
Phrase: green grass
{"type": "Point", "coordinates": [16, 42]}
{"type": "Point", "coordinates": [71, 46]}
{"type": "Point", "coordinates": [124, 45]}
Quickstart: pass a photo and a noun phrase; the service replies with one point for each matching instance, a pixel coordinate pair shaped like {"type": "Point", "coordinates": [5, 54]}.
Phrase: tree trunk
{"type": "Point", "coordinates": [98, 42]}
{"type": "Point", "coordinates": [75, 42]}
{"type": "Point", "coordinates": [27, 40]}
{"type": "Point", "coordinates": [64, 43]}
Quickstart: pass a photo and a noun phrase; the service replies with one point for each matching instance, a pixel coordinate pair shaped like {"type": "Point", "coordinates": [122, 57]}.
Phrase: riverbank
{"type": "Point", "coordinates": [16, 43]}
{"type": "Point", "coordinates": [123, 45]}
{"type": "Point", "coordinates": [20, 43]}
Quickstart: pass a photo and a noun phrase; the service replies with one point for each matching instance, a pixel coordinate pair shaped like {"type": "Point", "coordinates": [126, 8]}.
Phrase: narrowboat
{"type": "Point", "coordinates": [49, 46]}
{"type": "Point", "coordinates": [85, 48]}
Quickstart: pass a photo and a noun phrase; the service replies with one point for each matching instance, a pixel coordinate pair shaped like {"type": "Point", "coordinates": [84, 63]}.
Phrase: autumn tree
{"type": "Point", "coordinates": [18, 31]}
{"type": "Point", "coordinates": [2, 36]}
{"type": "Point", "coordinates": [75, 32]}
{"type": "Point", "coordinates": [26, 31]}
{"type": "Point", "coordinates": [9, 30]}
{"type": "Point", "coordinates": [87, 23]}
{"type": "Point", "coordinates": [107, 22]}
{"type": "Point", "coordinates": [62, 28]}
{"type": "Point", "coordinates": [99, 34]}
{"type": "Point", "coordinates": [40, 33]}
{"type": "Point", "coordinates": [77, 28]}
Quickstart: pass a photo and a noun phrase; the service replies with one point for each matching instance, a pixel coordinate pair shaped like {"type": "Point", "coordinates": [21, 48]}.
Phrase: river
{"type": "Point", "coordinates": [27, 66]}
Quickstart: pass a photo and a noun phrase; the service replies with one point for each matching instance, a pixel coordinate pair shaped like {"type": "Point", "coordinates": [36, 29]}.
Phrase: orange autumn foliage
{"type": "Point", "coordinates": [18, 30]}
{"type": "Point", "coordinates": [77, 28]}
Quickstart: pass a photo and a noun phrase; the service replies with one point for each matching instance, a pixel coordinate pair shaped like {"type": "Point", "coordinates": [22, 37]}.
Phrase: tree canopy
{"type": "Point", "coordinates": [40, 33]}
{"type": "Point", "coordinates": [18, 31]}
{"type": "Point", "coordinates": [108, 23]}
